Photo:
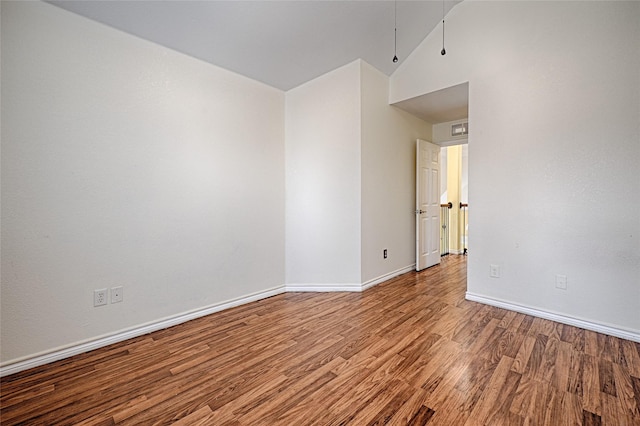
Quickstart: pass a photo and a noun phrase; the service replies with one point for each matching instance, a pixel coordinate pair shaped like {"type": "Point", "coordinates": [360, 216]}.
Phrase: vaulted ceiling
{"type": "Point", "coordinates": [280, 43]}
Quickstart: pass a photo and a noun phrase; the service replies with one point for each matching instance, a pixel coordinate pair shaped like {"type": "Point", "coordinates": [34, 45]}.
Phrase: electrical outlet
{"type": "Point", "coordinates": [117, 294]}
{"type": "Point", "coordinates": [384, 253]}
{"type": "Point", "coordinates": [561, 282]}
{"type": "Point", "coordinates": [494, 271]}
{"type": "Point", "coordinates": [100, 297]}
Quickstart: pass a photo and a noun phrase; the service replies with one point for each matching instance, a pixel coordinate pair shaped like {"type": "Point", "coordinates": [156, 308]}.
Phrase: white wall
{"type": "Point", "coordinates": [128, 164]}
{"type": "Point", "coordinates": [350, 191]}
{"type": "Point", "coordinates": [323, 181]}
{"type": "Point", "coordinates": [388, 179]}
{"type": "Point", "coordinates": [554, 148]}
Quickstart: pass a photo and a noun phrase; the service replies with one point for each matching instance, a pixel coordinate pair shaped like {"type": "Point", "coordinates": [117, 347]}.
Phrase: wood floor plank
{"type": "Point", "coordinates": [455, 410]}
{"type": "Point", "coordinates": [348, 406]}
{"type": "Point", "coordinates": [422, 416]}
{"type": "Point", "coordinates": [521, 359]}
{"type": "Point", "coordinates": [536, 358]}
{"type": "Point", "coordinates": [591, 400]}
{"type": "Point", "coordinates": [391, 399]}
{"type": "Point", "coordinates": [562, 368]}
{"type": "Point", "coordinates": [593, 343]}
{"type": "Point", "coordinates": [607, 381]}
{"type": "Point", "coordinates": [437, 362]}
{"type": "Point", "coordinates": [542, 408]}
{"type": "Point", "coordinates": [486, 340]}
{"type": "Point", "coordinates": [501, 413]}
{"type": "Point", "coordinates": [290, 393]}
{"type": "Point", "coordinates": [316, 409]}
{"type": "Point", "coordinates": [635, 383]}
{"type": "Point", "coordinates": [493, 395]}
{"type": "Point", "coordinates": [576, 370]}
{"type": "Point", "coordinates": [547, 367]}
{"type": "Point", "coordinates": [197, 418]}
{"type": "Point", "coordinates": [409, 408]}
{"type": "Point", "coordinates": [590, 419]}
{"type": "Point", "coordinates": [624, 391]}
{"type": "Point", "coordinates": [631, 357]}
{"type": "Point", "coordinates": [438, 395]}
{"type": "Point", "coordinates": [25, 396]}
{"type": "Point", "coordinates": [410, 350]}
{"type": "Point", "coordinates": [566, 409]}
{"type": "Point", "coordinates": [524, 397]}
{"type": "Point", "coordinates": [613, 413]}
{"type": "Point", "coordinates": [525, 325]}
{"type": "Point", "coordinates": [248, 399]}
{"type": "Point", "coordinates": [473, 383]}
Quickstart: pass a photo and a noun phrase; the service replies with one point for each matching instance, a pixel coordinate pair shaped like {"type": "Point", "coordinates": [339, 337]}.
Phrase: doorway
{"type": "Point", "coordinates": [444, 109]}
{"type": "Point", "coordinates": [454, 194]}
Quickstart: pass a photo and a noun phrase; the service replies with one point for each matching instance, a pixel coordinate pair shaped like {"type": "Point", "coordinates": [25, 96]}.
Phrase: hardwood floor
{"type": "Point", "coordinates": [408, 351]}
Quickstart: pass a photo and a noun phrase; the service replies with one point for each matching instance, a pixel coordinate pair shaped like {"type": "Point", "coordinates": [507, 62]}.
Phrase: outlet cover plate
{"type": "Point", "coordinates": [100, 297]}
{"type": "Point", "coordinates": [561, 282]}
{"type": "Point", "coordinates": [494, 271]}
{"type": "Point", "coordinates": [117, 294]}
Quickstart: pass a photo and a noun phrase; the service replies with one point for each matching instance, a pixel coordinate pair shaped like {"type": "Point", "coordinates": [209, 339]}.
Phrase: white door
{"type": "Point", "coordinates": [427, 205]}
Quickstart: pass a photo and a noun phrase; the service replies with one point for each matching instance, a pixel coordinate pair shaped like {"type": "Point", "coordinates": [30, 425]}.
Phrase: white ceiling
{"type": "Point", "coordinates": [280, 43]}
{"type": "Point", "coordinates": [444, 105]}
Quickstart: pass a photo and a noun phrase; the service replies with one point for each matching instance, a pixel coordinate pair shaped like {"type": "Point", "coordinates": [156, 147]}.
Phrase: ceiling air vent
{"type": "Point", "coordinates": [460, 129]}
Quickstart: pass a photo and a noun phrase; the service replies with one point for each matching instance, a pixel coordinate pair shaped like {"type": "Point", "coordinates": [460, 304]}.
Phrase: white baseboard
{"type": "Point", "coordinates": [78, 348]}
{"type": "Point", "coordinates": [564, 319]}
{"type": "Point", "coordinates": [348, 287]}
{"type": "Point", "coordinates": [36, 360]}
{"type": "Point", "coordinates": [293, 288]}
{"type": "Point", "coordinates": [385, 277]}
{"type": "Point", "coordinates": [81, 347]}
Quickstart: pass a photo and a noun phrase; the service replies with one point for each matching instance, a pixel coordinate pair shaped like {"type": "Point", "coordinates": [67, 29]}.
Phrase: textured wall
{"type": "Point", "coordinates": [554, 101]}
{"type": "Point", "coordinates": [127, 164]}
